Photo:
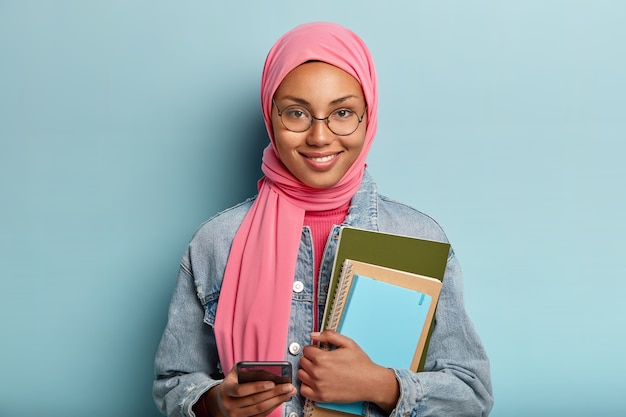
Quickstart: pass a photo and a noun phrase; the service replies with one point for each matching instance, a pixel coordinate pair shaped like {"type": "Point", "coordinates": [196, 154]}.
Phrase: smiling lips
{"type": "Point", "coordinates": [321, 162]}
{"type": "Point", "coordinates": [322, 159]}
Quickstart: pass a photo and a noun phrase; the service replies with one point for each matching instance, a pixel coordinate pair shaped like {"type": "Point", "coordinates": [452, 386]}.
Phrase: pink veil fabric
{"type": "Point", "coordinates": [252, 316]}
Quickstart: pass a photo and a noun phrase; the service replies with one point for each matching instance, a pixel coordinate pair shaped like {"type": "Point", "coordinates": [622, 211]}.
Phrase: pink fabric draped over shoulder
{"type": "Point", "coordinates": [252, 316]}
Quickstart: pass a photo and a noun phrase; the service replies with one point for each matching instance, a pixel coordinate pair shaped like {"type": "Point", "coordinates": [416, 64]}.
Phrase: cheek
{"type": "Point", "coordinates": [357, 144]}
{"type": "Point", "coordinates": [284, 144]}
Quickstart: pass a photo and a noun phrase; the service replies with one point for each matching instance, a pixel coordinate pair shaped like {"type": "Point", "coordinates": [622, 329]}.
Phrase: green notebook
{"type": "Point", "coordinates": [409, 254]}
{"type": "Point", "coordinates": [416, 256]}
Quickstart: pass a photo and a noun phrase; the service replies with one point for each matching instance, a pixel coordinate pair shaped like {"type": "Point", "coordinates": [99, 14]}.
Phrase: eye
{"type": "Point", "coordinates": [342, 114]}
{"type": "Point", "coordinates": [296, 113]}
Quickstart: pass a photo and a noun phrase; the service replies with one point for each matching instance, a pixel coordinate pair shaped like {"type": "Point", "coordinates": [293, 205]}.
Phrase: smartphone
{"type": "Point", "coordinates": [277, 372]}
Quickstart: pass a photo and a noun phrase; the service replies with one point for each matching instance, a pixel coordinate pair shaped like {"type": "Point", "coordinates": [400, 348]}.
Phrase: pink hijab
{"type": "Point", "coordinates": [252, 316]}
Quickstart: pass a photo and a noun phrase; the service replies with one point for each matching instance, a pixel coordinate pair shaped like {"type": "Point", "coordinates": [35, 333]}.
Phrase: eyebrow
{"type": "Point", "coordinates": [332, 103]}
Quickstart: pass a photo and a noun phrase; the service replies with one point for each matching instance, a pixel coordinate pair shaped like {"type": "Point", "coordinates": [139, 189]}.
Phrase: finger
{"type": "Point", "coordinates": [331, 337]}
{"type": "Point", "coordinates": [229, 384]}
{"type": "Point", "coordinates": [259, 403]}
{"type": "Point", "coordinates": [233, 388]}
{"type": "Point", "coordinates": [252, 388]}
{"type": "Point", "coordinates": [265, 402]}
{"type": "Point", "coordinates": [263, 413]}
{"type": "Point", "coordinates": [307, 353]}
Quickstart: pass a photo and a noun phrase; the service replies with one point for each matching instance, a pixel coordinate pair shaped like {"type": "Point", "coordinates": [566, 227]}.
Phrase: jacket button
{"type": "Point", "coordinates": [298, 286]}
{"type": "Point", "coordinates": [294, 348]}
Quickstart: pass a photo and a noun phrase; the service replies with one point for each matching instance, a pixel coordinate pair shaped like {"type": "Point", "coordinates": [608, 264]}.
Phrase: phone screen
{"type": "Point", "coordinates": [277, 372]}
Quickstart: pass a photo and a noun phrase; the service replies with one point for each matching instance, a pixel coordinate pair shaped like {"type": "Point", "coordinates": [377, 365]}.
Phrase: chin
{"type": "Point", "coordinates": [320, 184]}
{"type": "Point", "coordinates": [319, 180]}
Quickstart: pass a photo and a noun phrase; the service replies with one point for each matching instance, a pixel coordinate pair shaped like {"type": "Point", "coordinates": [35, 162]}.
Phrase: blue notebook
{"type": "Point", "coordinates": [386, 312]}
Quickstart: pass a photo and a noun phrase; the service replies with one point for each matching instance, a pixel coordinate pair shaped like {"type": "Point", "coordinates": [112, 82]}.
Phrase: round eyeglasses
{"type": "Point", "coordinates": [298, 119]}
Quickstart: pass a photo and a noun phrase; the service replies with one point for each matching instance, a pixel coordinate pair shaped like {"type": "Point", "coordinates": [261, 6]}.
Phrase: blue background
{"type": "Point", "coordinates": [125, 124]}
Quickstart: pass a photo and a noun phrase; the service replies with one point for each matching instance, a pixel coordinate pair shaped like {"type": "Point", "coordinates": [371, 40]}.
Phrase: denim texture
{"type": "Point", "coordinates": [456, 380]}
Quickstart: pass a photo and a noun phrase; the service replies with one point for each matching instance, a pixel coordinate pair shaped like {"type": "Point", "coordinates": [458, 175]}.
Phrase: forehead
{"type": "Point", "coordinates": [318, 82]}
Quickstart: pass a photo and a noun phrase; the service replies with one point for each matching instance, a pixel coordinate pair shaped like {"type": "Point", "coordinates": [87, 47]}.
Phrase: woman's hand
{"type": "Point", "coordinates": [345, 374]}
{"type": "Point", "coordinates": [231, 399]}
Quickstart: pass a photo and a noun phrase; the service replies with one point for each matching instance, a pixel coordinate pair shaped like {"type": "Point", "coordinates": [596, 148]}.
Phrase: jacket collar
{"type": "Point", "coordinates": [363, 213]}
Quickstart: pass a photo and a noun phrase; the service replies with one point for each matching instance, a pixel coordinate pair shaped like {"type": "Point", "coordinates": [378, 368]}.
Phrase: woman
{"type": "Point", "coordinates": [253, 281]}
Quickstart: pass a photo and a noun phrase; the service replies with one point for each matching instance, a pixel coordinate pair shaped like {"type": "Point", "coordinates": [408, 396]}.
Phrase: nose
{"type": "Point", "coordinates": [319, 134]}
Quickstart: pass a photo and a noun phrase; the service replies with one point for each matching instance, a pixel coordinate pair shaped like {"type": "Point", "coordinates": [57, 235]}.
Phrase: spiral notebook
{"type": "Point", "coordinates": [387, 312]}
{"type": "Point", "coordinates": [404, 253]}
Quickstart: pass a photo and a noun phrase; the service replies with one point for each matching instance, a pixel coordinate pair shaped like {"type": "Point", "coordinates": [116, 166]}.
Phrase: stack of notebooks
{"type": "Point", "coordinates": [383, 294]}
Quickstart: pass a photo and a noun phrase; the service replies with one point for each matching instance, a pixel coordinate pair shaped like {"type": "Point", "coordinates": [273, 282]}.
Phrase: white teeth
{"type": "Point", "coordinates": [324, 158]}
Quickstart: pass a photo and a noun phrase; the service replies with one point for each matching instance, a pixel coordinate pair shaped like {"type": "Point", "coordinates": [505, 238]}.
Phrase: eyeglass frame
{"type": "Point", "coordinates": [313, 118]}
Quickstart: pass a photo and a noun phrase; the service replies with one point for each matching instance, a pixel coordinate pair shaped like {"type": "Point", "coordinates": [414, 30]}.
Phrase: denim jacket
{"type": "Point", "coordinates": [456, 380]}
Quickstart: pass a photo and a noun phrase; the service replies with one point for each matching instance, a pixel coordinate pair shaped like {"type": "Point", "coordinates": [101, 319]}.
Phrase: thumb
{"type": "Point", "coordinates": [331, 337]}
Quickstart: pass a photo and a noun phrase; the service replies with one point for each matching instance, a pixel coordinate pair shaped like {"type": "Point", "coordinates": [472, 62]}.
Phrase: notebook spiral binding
{"type": "Point", "coordinates": [332, 323]}
{"type": "Point", "coordinates": [307, 410]}
{"type": "Point", "coordinates": [340, 296]}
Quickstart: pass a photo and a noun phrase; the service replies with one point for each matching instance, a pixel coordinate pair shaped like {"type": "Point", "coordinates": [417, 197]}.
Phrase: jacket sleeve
{"type": "Point", "coordinates": [456, 379]}
{"type": "Point", "coordinates": [187, 354]}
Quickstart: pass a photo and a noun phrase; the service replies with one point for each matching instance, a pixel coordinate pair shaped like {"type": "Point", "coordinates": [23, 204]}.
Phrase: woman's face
{"type": "Point", "coordinates": [318, 157]}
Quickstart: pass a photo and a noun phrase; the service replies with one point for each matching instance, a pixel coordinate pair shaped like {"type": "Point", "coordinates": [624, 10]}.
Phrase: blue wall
{"type": "Point", "coordinates": [125, 124]}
